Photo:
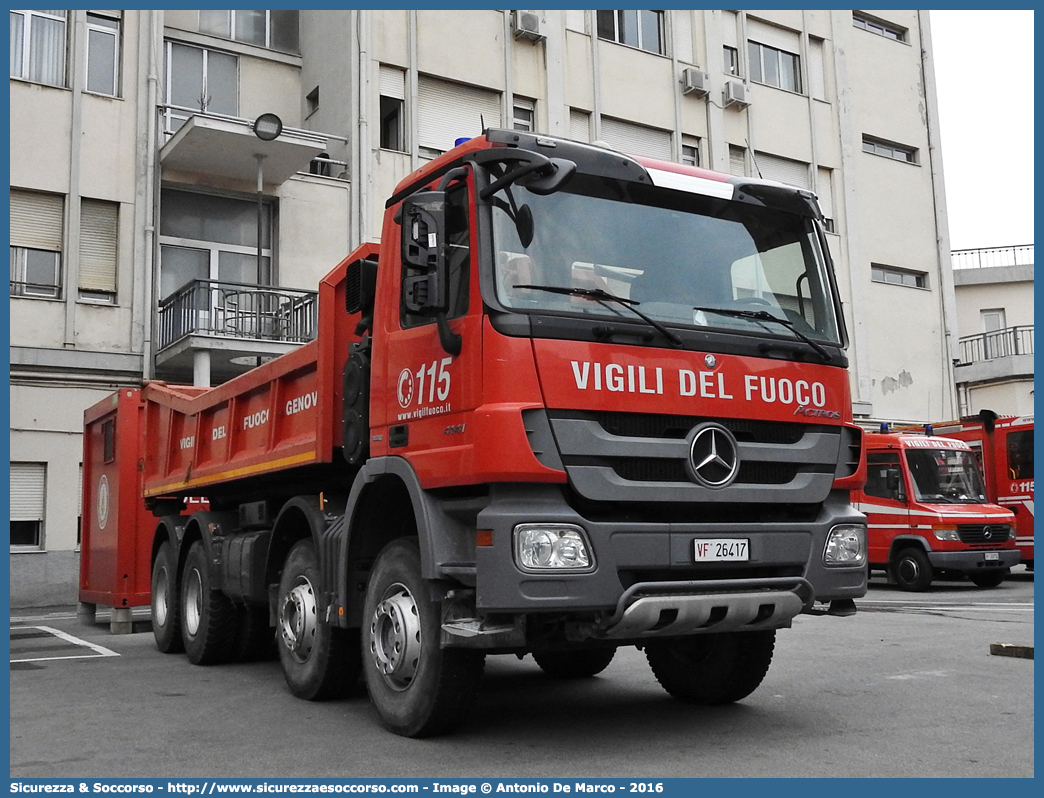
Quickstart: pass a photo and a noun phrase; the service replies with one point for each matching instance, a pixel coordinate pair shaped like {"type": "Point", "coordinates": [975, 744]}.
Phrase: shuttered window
{"type": "Point", "coordinates": [737, 161]}
{"type": "Point", "coordinates": [779, 38]}
{"type": "Point", "coordinates": [393, 82]}
{"type": "Point", "coordinates": [773, 56]}
{"type": "Point", "coordinates": [448, 111]}
{"type": "Point", "coordinates": [579, 125]}
{"type": "Point", "coordinates": [37, 230]}
{"type": "Point", "coordinates": [28, 484]}
{"type": "Point", "coordinates": [99, 225]}
{"type": "Point", "coordinates": [783, 170]}
{"type": "Point", "coordinates": [816, 69]}
{"type": "Point", "coordinates": [825, 192]}
{"type": "Point", "coordinates": [635, 139]}
{"type": "Point", "coordinates": [682, 21]}
{"type": "Point", "coordinates": [393, 115]}
{"type": "Point", "coordinates": [576, 20]}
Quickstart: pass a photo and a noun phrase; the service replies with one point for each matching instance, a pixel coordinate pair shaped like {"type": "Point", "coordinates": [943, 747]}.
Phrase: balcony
{"type": "Point", "coordinates": [210, 331]}
{"type": "Point", "coordinates": [1009, 342]}
{"type": "Point", "coordinates": [993, 258]}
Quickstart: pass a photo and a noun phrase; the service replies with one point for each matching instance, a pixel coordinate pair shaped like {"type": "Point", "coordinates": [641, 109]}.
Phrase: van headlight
{"type": "Point", "coordinates": [552, 547]}
{"type": "Point", "coordinates": [845, 546]}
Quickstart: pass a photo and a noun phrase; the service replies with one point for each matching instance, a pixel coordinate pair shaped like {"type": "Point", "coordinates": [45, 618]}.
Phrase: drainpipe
{"type": "Point", "coordinates": [509, 76]}
{"type": "Point", "coordinates": [72, 217]}
{"type": "Point", "coordinates": [412, 92]}
{"type": "Point", "coordinates": [363, 138]}
{"type": "Point", "coordinates": [152, 40]}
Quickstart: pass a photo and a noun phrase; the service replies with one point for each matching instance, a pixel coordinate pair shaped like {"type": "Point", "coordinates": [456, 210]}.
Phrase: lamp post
{"type": "Point", "coordinates": [266, 127]}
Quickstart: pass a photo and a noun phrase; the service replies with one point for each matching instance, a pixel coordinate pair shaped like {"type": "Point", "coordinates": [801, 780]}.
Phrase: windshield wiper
{"type": "Point", "coordinates": [764, 315]}
{"type": "Point", "coordinates": [599, 295]}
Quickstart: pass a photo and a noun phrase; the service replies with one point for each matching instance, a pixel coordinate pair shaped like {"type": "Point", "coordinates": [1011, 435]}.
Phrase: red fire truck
{"type": "Point", "coordinates": [574, 400]}
{"type": "Point", "coordinates": [928, 514]}
{"type": "Point", "coordinates": [1004, 447]}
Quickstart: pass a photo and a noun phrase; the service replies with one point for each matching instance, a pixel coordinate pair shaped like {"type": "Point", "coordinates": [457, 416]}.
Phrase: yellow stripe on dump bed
{"type": "Point", "coordinates": [245, 471]}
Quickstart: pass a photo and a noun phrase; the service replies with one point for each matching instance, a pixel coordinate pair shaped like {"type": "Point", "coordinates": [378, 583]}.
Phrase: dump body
{"type": "Point", "coordinates": [1004, 446]}
{"type": "Point", "coordinates": [923, 493]}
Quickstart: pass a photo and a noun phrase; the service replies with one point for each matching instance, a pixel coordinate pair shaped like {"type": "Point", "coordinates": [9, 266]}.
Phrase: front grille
{"type": "Point", "coordinates": [976, 533]}
{"type": "Point", "coordinates": [652, 469]}
{"type": "Point", "coordinates": [652, 425]}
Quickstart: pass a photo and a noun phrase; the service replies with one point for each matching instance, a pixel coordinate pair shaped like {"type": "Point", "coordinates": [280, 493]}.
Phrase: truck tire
{"type": "Point", "coordinates": [912, 570]}
{"type": "Point", "coordinates": [418, 688]}
{"type": "Point", "coordinates": [711, 669]}
{"type": "Point", "coordinates": [166, 610]}
{"type": "Point", "coordinates": [579, 664]}
{"type": "Point", "coordinates": [319, 661]}
{"type": "Point", "coordinates": [208, 617]}
{"type": "Point", "coordinates": [255, 639]}
{"type": "Point", "coordinates": [990, 578]}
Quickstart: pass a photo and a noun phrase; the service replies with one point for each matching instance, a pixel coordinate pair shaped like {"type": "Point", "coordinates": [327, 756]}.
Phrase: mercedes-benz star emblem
{"type": "Point", "coordinates": [710, 361]}
{"type": "Point", "coordinates": [714, 456]}
{"type": "Point", "coordinates": [987, 533]}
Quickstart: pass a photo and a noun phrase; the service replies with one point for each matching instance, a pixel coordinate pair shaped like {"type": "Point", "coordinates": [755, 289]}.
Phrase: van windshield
{"type": "Point", "coordinates": [667, 253]}
{"type": "Point", "coordinates": [946, 476]}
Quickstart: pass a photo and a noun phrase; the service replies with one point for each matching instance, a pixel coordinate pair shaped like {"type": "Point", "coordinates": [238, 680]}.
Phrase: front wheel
{"type": "Point", "coordinates": [318, 659]}
{"type": "Point", "coordinates": [989, 578]}
{"type": "Point", "coordinates": [912, 570]}
{"type": "Point", "coordinates": [581, 664]}
{"type": "Point", "coordinates": [419, 688]}
{"type": "Point", "coordinates": [711, 669]}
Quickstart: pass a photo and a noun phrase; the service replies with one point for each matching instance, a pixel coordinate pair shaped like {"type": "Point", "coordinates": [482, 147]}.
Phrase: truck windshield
{"type": "Point", "coordinates": [945, 475]}
{"type": "Point", "coordinates": [668, 253]}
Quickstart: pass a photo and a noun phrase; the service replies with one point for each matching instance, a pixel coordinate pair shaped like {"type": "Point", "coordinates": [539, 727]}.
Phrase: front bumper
{"type": "Point", "coordinates": [644, 579]}
{"type": "Point", "coordinates": [972, 561]}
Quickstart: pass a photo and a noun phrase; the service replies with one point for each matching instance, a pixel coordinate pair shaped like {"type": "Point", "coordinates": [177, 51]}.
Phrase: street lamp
{"type": "Point", "coordinates": [266, 127]}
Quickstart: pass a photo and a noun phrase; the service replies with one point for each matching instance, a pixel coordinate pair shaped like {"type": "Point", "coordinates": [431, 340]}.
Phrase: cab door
{"type": "Point", "coordinates": [885, 501]}
{"type": "Point", "coordinates": [424, 397]}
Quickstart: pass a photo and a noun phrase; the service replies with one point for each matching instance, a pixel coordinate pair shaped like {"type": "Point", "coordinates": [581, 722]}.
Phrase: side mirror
{"type": "Point", "coordinates": [424, 251]}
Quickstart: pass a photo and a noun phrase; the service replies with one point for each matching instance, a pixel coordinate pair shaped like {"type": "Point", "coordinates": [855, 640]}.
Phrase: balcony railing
{"type": "Point", "coordinates": [237, 310]}
{"type": "Point", "coordinates": [1008, 342]}
{"type": "Point", "coordinates": [991, 258]}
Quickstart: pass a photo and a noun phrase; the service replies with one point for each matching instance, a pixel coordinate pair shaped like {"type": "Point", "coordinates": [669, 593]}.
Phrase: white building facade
{"type": "Point", "coordinates": [155, 235]}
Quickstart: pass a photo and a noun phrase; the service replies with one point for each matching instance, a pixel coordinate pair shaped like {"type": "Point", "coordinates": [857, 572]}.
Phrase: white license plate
{"type": "Point", "coordinates": [722, 550]}
{"type": "Point", "coordinates": [992, 556]}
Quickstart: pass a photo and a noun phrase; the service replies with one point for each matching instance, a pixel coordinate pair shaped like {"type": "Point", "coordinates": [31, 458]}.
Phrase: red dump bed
{"type": "Point", "coordinates": [283, 414]}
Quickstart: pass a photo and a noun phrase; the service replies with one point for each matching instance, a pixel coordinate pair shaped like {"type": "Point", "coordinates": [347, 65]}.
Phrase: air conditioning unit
{"type": "Point", "coordinates": [695, 81]}
{"type": "Point", "coordinates": [528, 26]}
{"type": "Point", "coordinates": [736, 93]}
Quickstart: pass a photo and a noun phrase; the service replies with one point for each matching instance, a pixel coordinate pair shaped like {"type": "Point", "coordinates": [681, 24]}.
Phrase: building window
{"type": "Point", "coordinates": [204, 237]}
{"type": "Point", "coordinates": [448, 111]}
{"type": "Point", "coordinates": [737, 161]}
{"type": "Point", "coordinates": [28, 483]}
{"type": "Point", "coordinates": [893, 276]}
{"type": "Point", "coordinates": [690, 151]}
{"type": "Point", "coordinates": [38, 45]}
{"type": "Point", "coordinates": [888, 149]}
{"type": "Point", "coordinates": [825, 193]}
{"type": "Point", "coordinates": [103, 53]}
{"type": "Point", "coordinates": [732, 65]}
{"type": "Point", "coordinates": [524, 115]}
{"type": "Point", "coordinates": [1020, 455]}
{"type": "Point", "coordinates": [99, 231]}
{"type": "Point", "coordinates": [641, 29]}
{"type": "Point", "coordinates": [276, 30]}
{"type": "Point", "coordinates": [199, 80]}
{"type": "Point", "coordinates": [881, 28]}
{"type": "Point", "coordinates": [774, 67]}
{"type": "Point", "coordinates": [312, 101]}
{"type": "Point", "coordinates": [37, 232]}
{"type": "Point", "coordinates": [393, 108]}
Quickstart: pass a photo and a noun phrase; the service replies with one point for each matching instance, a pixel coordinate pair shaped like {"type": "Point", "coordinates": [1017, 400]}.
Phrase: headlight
{"type": "Point", "coordinates": [945, 533]}
{"type": "Point", "coordinates": [551, 547]}
{"type": "Point", "coordinates": [845, 546]}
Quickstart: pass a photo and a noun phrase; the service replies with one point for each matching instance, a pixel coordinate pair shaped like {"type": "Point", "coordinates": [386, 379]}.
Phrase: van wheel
{"type": "Point", "coordinates": [710, 669]}
{"type": "Point", "coordinates": [319, 660]}
{"type": "Point", "coordinates": [208, 617]}
{"type": "Point", "coordinates": [418, 688]}
{"type": "Point", "coordinates": [989, 578]}
{"type": "Point", "coordinates": [912, 570]}
{"type": "Point", "coordinates": [166, 616]}
{"type": "Point", "coordinates": [580, 664]}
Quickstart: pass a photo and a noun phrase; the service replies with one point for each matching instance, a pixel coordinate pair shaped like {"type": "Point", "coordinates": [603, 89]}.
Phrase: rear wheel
{"type": "Point", "coordinates": [208, 617]}
{"type": "Point", "coordinates": [988, 578]}
{"type": "Point", "coordinates": [418, 688]}
{"type": "Point", "coordinates": [166, 615]}
{"type": "Point", "coordinates": [319, 661]}
{"type": "Point", "coordinates": [912, 570]}
{"type": "Point", "coordinates": [710, 669]}
{"type": "Point", "coordinates": [580, 664]}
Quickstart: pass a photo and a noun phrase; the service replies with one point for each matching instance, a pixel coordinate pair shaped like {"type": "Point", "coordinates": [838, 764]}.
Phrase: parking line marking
{"type": "Point", "coordinates": [99, 651]}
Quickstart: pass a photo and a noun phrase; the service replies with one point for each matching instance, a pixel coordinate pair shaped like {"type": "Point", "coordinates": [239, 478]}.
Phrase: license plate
{"type": "Point", "coordinates": [992, 556]}
{"type": "Point", "coordinates": [722, 550]}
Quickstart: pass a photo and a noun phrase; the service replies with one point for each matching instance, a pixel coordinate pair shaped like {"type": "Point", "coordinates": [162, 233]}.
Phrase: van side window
{"type": "Point", "coordinates": [884, 478]}
{"type": "Point", "coordinates": [1020, 455]}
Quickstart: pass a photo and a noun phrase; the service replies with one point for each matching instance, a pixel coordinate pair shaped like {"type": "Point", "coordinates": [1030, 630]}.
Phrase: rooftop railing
{"type": "Point", "coordinates": [238, 310]}
{"type": "Point", "coordinates": [991, 258]}
{"type": "Point", "coordinates": [1008, 342]}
